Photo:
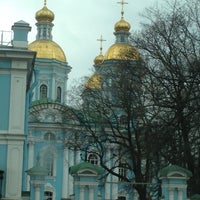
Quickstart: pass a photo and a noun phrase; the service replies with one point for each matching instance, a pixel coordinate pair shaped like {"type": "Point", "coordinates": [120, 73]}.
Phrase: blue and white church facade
{"type": "Point", "coordinates": [37, 161]}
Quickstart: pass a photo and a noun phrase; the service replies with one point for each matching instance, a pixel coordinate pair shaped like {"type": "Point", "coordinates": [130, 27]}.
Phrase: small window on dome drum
{"type": "Point", "coordinates": [58, 94]}
{"type": "Point", "coordinates": [122, 38]}
{"type": "Point", "coordinates": [43, 91]}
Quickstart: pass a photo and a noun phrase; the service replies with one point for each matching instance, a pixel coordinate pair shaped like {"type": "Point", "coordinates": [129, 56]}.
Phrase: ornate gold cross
{"type": "Point", "coordinates": [101, 40]}
{"type": "Point", "coordinates": [122, 3]}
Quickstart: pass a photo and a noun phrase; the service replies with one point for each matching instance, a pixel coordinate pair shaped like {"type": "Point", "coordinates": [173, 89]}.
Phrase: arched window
{"type": "Point", "coordinates": [123, 120]}
{"type": "Point", "coordinates": [122, 171]}
{"type": "Point", "coordinates": [122, 38]}
{"type": "Point", "coordinates": [48, 195]}
{"type": "Point", "coordinates": [58, 94]}
{"type": "Point", "coordinates": [92, 158]}
{"type": "Point", "coordinates": [44, 33]}
{"type": "Point", "coordinates": [48, 163]}
{"type": "Point", "coordinates": [43, 91]}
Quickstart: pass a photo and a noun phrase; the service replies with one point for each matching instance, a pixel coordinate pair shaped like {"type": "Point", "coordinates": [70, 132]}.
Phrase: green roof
{"type": "Point", "coordinates": [174, 168]}
{"type": "Point", "coordinates": [37, 170]}
{"type": "Point", "coordinates": [43, 101]}
{"type": "Point", "coordinates": [86, 165]}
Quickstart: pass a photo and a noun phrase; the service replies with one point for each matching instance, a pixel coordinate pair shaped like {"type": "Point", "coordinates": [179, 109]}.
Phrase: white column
{"type": "Point", "coordinates": [65, 90]}
{"type": "Point", "coordinates": [53, 88]}
{"type": "Point", "coordinates": [108, 179]}
{"type": "Point", "coordinates": [78, 157]}
{"type": "Point", "coordinates": [71, 179]}
{"type": "Point", "coordinates": [30, 160]}
{"type": "Point", "coordinates": [82, 192]}
{"type": "Point", "coordinates": [180, 194]}
{"type": "Point", "coordinates": [14, 169]}
{"type": "Point", "coordinates": [91, 192]}
{"type": "Point", "coordinates": [17, 100]}
{"type": "Point", "coordinates": [37, 192]}
{"type": "Point", "coordinates": [115, 186]}
{"type": "Point", "coordinates": [65, 186]}
{"type": "Point", "coordinates": [171, 194]}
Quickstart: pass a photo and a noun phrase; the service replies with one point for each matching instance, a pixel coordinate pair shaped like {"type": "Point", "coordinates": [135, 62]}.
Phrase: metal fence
{"type": "Point", "coordinates": [5, 38]}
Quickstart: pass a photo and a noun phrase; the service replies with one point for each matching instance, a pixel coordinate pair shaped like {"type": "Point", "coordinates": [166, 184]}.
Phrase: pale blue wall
{"type": "Point", "coordinates": [5, 64]}
{"type": "Point", "coordinates": [38, 147]}
{"type": "Point", "coordinates": [4, 100]}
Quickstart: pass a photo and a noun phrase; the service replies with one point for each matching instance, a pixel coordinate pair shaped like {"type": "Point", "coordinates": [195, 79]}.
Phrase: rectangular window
{"type": "Point", "coordinates": [48, 195]}
{"type": "Point", "coordinates": [122, 171]}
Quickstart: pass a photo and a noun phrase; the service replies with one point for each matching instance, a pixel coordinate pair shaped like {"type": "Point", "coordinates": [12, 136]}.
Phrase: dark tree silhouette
{"type": "Point", "coordinates": [170, 43]}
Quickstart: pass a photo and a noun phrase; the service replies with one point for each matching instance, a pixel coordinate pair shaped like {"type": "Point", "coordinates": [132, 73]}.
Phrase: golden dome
{"type": "Point", "coordinates": [44, 15]}
{"type": "Point", "coordinates": [122, 26]}
{"type": "Point", "coordinates": [99, 59]}
{"type": "Point", "coordinates": [122, 51]}
{"type": "Point", "coordinates": [94, 82]}
{"type": "Point", "coordinates": [47, 49]}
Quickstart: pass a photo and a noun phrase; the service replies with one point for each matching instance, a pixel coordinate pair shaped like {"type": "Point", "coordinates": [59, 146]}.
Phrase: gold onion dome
{"type": "Point", "coordinates": [44, 15]}
{"type": "Point", "coordinates": [48, 49]}
{"type": "Point", "coordinates": [94, 82]}
{"type": "Point", "coordinates": [99, 59]}
{"type": "Point", "coordinates": [122, 51]}
{"type": "Point", "coordinates": [122, 26]}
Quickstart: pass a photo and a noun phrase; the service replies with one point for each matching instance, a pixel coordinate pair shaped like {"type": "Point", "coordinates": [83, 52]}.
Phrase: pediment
{"type": "Point", "coordinates": [176, 174]}
{"type": "Point", "coordinates": [87, 172]}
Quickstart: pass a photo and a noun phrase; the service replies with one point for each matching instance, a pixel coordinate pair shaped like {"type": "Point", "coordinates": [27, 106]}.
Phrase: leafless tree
{"type": "Point", "coordinates": [170, 44]}
{"type": "Point", "coordinates": [116, 118]}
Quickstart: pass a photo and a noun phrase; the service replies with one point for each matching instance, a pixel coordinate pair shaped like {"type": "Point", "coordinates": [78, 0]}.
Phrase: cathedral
{"type": "Point", "coordinates": [35, 123]}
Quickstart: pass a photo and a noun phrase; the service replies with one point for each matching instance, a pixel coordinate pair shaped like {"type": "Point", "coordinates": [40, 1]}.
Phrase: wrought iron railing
{"type": "Point", "coordinates": [6, 38]}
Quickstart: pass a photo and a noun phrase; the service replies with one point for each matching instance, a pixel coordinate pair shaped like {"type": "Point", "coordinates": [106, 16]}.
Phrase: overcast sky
{"type": "Point", "coordinates": [77, 25]}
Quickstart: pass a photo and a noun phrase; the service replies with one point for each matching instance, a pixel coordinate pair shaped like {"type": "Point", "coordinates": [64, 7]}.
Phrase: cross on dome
{"type": "Point", "coordinates": [45, 2]}
{"type": "Point", "coordinates": [122, 3]}
{"type": "Point", "coordinates": [101, 40]}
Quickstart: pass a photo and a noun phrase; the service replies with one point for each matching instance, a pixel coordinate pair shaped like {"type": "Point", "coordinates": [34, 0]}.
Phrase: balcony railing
{"type": "Point", "coordinates": [5, 38]}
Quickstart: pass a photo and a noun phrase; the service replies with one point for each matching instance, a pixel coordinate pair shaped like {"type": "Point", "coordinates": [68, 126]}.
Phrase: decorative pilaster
{"type": "Point", "coordinates": [78, 157]}
{"type": "Point", "coordinates": [180, 193]}
{"type": "Point", "coordinates": [108, 185]}
{"type": "Point", "coordinates": [91, 192]}
{"type": "Point", "coordinates": [65, 185]}
{"type": "Point", "coordinates": [171, 193]}
{"type": "Point", "coordinates": [37, 192]}
{"type": "Point", "coordinates": [81, 192]}
{"type": "Point", "coordinates": [30, 159]}
{"type": "Point", "coordinates": [71, 163]}
{"type": "Point", "coordinates": [115, 186]}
